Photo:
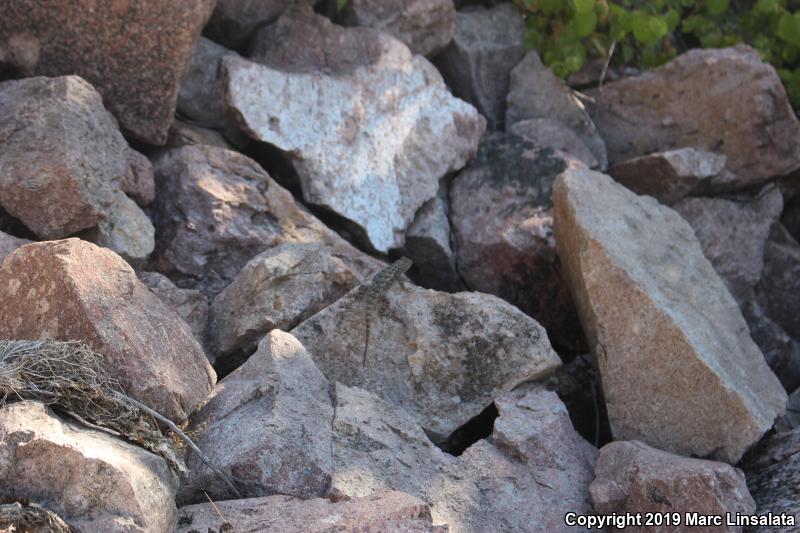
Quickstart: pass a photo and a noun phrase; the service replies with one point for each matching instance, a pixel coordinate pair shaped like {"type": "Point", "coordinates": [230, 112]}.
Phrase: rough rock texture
{"type": "Point", "coordinates": [127, 50]}
{"type": "Point", "coordinates": [781, 351]}
{"type": "Point", "coordinates": [441, 357]}
{"type": "Point", "coordinates": [94, 481]}
{"type": "Point", "coordinates": [425, 26]}
{"type": "Point", "coordinates": [535, 92]}
{"type": "Point", "coordinates": [9, 243]}
{"type": "Point", "coordinates": [233, 22]}
{"type": "Point", "coordinates": [723, 100]}
{"type": "Point", "coordinates": [791, 419]}
{"type": "Point", "coordinates": [277, 289]}
{"type": "Point", "coordinates": [387, 512]}
{"type": "Point", "coordinates": [383, 130]}
{"type": "Point", "coordinates": [548, 132]}
{"type": "Point", "coordinates": [63, 162]}
{"type": "Point", "coordinates": [267, 425]}
{"type": "Point", "coordinates": [139, 183]}
{"type": "Point", "coordinates": [190, 304]}
{"type": "Point", "coordinates": [791, 215]}
{"type": "Point", "coordinates": [486, 45]}
{"type": "Point", "coordinates": [672, 175]}
{"type": "Point", "coordinates": [502, 218]}
{"type": "Point", "coordinates": [182, 133]}
{"type": "Point", "coordinates": [773, 477]}
{"type": "Point", "coordinates": [733, 232]}
{"type": "Point", "coordinates": [780, 284]}
{"type": "Point", "coordinates": [525, 477]}
{"type": "Point", "coordinates": [216, 209]}
{"type": "Point", "coordinates": [632, 477]}
{"type": "Point", "coordinates": [678, 366]}
{"type": "Point", "coordinates": [72, 289]}
{"type": "Point", "coordinates": [126, 229]}
{"type": "Point", "coordinates": [200, 97]}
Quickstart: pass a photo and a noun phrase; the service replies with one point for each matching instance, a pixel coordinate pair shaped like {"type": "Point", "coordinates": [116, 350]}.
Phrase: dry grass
{"type": "Point", "coordinates": [18, 517]}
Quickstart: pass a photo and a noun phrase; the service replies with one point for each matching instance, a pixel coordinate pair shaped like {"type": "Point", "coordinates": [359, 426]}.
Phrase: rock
{"type": "Point", "coordinates": [74, 290]}
{"type": "Point", "coordinates": [550, 133]}
{"type": "Point", "coordinates": [733, 232]}
{"type": "Point", "coordinates": [200, 97]}
{"type": "Point", "coordinates": [94, 481]}
{"type": "Point", "coordinates": [389, 511]}
{"type": "Point", "coordinates": [773, 478]}
{"type": "Point", "coordinates": [533, 469]}
{"type": "Point", "coordinates": [441, 357]}
{"type": "Point", "coordinates": [190, 304]}
{"type": "Point", "coordinates": [9, 243]}
{"type": "Point", "coordinates": [722, 100]}
{"type": "Point", "coordinates": [233, 22]}
{"type": "Point", "coordinates": [267, 425]}
{"type": "Point", "coordinates": [780, 282]}
{"type": "Point", "coordinates": [277, 289]}
{"type": "Point", "coordinates": [182, 133]}
{"type": "Point", "coordinates": [63, 160]}
{"type": "Point", "coordinates": [678, 367]}
{"type": "Point", "coordinates": [126, 50]}
{"type": "Point", "coordinates": [384, 131]}
{"type": "Point", "coordinates": [791, 217]}
{"type": "Point", "coordinates": [781, 352]}
{"type": "Point", "coordinates": [672, 175]}
{"type": "Point", "coordinates": [632, 477]}
{"type": "Point", "coordinates": [791, 419]}
{"type": "Point", "coordinates": [486, 45]}
{"type": "Point", "coordinates": [126, 230]}
{"type": "Point", "coordinates": [535, 92]}
{"type": "Point", "coordinates": [217, 209]}
{"type": "Point", "coordinates": [139, 183]}
{"type": "Point", "coordinates": [425, 26]}
{"type": "Point", "coordinates": [502, 217]}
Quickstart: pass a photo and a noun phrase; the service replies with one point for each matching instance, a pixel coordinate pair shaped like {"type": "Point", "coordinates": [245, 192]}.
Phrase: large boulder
{"type": "Point", "coordinates": [678, 366]}
{"type": "Point", "coordinates": [94, 481]}
{"type": "Point", "coordinates": [369, 133]}
{"type": "Point", "coordinates": [267, 425]}
{"type": "Point", "coordinates": [502, 216]}
{"type": "Point", "coordinates": [441, 357]}
{"type": "Point", "coordinates": [190, 304]}
{"type": "Point", "coordinates": [486, 45]}
{"type": "Point", "coordinates": [722, 100]}
{"type": "Point", "coordinates": [125, 49]}
{"type": "Point", "coordinates": [217, 209]}
{"type": "Point", "coordinates": [74, 290]}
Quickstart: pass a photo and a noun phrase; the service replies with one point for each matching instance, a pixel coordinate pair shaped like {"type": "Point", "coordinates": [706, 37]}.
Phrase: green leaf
{"type": "Point", "coordinates": [648, 29]}
{"type": "Point", "coordinates": [673, 18]}
{"type": "Point", "coordinates": [581, 7]}
{"type": "Point", "coordinates": [717, 7]}
{"type": "Point", "coordinates": [585, 24]}
{"type": "Point", "coordinates": [550, 7]}
{"type": "Point", "coordinates": [340, 4]}
{"type": "Point", "coordinates": [789, 28]}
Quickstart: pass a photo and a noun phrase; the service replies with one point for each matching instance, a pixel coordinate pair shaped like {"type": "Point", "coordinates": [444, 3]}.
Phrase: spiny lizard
{"type": "Point", "coordinates": [376, 289]}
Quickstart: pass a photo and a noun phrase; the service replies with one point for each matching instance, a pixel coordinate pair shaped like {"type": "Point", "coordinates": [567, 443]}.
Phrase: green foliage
{"type": "Point", "coordinates": [569, 33]}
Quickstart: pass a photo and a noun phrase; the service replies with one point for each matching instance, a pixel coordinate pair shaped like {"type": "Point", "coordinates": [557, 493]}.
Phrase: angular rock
{"type": "Point", "coordinates": [139, 183]}
{"type": "Point", "coordinates": [441, 357]}
{"type": "Point", "coordinates": [389, 511]}
{"type": "Point", "coordinates": [125, 49]}
{"type": "Point", "coordinates": [486, 45]}
{"type": "Point", "coordinates": [791, 217]}
{"type": "Point", "coordinates": [384, 129]}
{"type": "Point", "coordinates": [672, 175]}
{"type": "Point", "coordinates": [183, 133]}
{"type": "Point", "coordinates": [733, 233]}
{"type": "Point", "coordinates": [277, 289]}
{"type": "Point", "coordinates": [781, 351]}
{"type": "Point", "coordinates": [234, 22]}
{"type": "Point", "coordinates": [126, 229]}
{"type": "Point", "coordinates": [533, 469]}
{"type": "Point", "coordinates": [217, 209]}
{"type": "Point", "coordinates": [773, 477]}
{"type": "Point", "coordinates": [425, 26]}
{"type": "Point", "coordinates": [200, 97]}
{"type": "Point", "coordinates": [632, 477]}
{"type": "Point", "coordinates": [94, 481]}
{"type": "Point", "coordinates": [678, 366]}
{"type": "Point", "coordinates": [780, 282]}
{"type": "Point", "coordinates": [74, 290]}
{"type": "Point", "coordinates": [548, 132]}
{"type": "Point", "coordinates": [791, 419]}
{"type": "Point", "coordinates": [502, 216]}
{"type": "Point", "coordinates": [535, 92]}
{"type": "Point", "coordinates": [9, 243]}
{"type": "Point", "coordinates": [267, 425]}
{"type": "Point", "coordinates": [190, 304]}
{"type": "Point", "coordinates": [722, 100]}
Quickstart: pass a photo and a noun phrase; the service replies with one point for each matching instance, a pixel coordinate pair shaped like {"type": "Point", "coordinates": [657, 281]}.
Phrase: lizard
{"type": "Point", "coordinates": [376, 289]}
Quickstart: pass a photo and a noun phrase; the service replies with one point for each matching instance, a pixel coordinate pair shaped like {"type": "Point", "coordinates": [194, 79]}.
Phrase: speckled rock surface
{"type": "Point", "coordinates": [190, 304]}
{"type": "Point", "coordinates": [552, 133]}
{"type": "Point", "coordinates": [9, 243]}
{"type": "Point", "coordinates": [780, 284]}
{"type": "Point", "coordinates": [200, 97]}
{"type": "Point", "coordinates": [234, 22]}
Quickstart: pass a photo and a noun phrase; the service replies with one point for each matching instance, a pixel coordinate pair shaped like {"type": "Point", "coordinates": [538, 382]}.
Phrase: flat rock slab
{"type": "Point", "coordinates": [387, 512]}
{"type": "Point", "coordinates": [678, 366]}
{"type": "Point", "coordinates": [94, 481]}
{"type": "Point", "coordinates": [722, 100]}
{"type": "Point", "coordinates": [370, 134]}
{"type": "Point", "coordinates": [441, 357]}
{"type": "Point", "coordinates": [74, 290]}
{"type": "Point", "coordinates": [125, 49]}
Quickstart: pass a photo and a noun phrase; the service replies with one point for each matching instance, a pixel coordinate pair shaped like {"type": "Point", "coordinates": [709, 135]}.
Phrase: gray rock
{"type": "Point", "coordinates": [441, 357]}
{"type": "Point", "coordinates": [384, 128]}
{"type": "Point", "coordinates": [678, 366]}
{"type": "Point", "coordinates": [722, 100]}
{"type": "Point", "coordinates": [277, 289]}
{"type": "Point", "coordinates": [182, 133]}
{"type": "Point", "coordinates": [200, 97]}
{"type": "Point", "coordinates": [781, 351]}
{"type": "Point", "coordinates": [234, 22]}
{"type": "Point", "coordinates": [9, 243]}
{"type": "Point", "coordinates": [190, 304]}
{"type": "Point", "coordinates": [94, 481]}
{"type": "Point", "coordinates": [267, 425]}
{"type": "Point", "coordinates": [486, 45]}
{"type": "Point", "coordinates": [139, 183]}
{"type": "Point", "coordinates": [780, 283]}
{"type": "Point", "coordinates": [791, 419]}
{"type": "Point", "coordinates": [548, 132]}
{"type": "Point", "coordinates": [126, 229]}
{"type": "Point", "coordinates": [425, 26]}
{"type": "Point", "coordinates": [672, 175]}
{"type": "Point", "coordinates": [535, 92]}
